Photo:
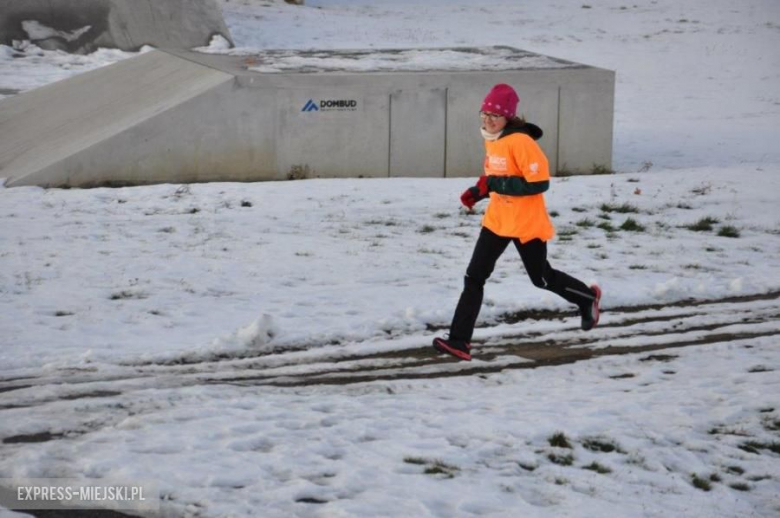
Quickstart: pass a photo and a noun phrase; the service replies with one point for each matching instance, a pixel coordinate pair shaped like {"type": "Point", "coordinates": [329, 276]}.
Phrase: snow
{"type": "Point", "coordinates": [418, 60]}
{"type": "Point", "coordinates": [262, 349]}
{"type": "Point", "coordinates": [37, 31]}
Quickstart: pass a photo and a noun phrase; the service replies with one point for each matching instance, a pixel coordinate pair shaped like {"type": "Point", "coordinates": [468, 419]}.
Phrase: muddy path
{"type": "Point", "coordinates": [519, 341]}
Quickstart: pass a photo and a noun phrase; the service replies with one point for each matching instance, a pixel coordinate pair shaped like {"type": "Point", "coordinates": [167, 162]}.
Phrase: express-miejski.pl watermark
{"type": "Point", "coordinates": [61, 493]}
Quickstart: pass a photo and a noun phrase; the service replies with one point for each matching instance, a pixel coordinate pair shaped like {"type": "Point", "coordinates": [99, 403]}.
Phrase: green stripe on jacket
{"type": "Point", "coordinates": [516, 186]}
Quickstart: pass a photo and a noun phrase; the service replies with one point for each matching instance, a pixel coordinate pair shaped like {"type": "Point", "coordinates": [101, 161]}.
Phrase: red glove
{"type": "Point", "coordinates": [474, 194]}
{"type": "Point", "coordinates": [467, 199]}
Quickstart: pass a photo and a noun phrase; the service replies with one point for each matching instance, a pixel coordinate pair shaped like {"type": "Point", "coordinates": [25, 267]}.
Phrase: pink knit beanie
{"type": "Point", "coordinates": [502, 99]}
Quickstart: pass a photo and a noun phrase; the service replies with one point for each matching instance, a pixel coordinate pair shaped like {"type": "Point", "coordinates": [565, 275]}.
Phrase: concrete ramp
{"type": "Point", "coordinates": [87, 130]}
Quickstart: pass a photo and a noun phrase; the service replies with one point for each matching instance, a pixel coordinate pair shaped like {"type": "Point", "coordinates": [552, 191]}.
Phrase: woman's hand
{"type": "Point", "coordinates": [479, 192]}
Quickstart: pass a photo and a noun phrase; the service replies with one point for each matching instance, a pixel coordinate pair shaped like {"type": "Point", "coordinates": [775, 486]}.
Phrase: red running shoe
{"type": "Point", "coordinates": [457, 348]}
{"type": "Point", "coordinates": [590, 314]}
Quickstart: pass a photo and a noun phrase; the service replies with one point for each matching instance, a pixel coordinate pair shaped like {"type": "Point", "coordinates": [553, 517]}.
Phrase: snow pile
{"type": "Point", "coordinates": [37, 31]}
{"type": "Point", "coordinates": [254, 337]}
{"type": "Point", "coordinates": [217, 45]}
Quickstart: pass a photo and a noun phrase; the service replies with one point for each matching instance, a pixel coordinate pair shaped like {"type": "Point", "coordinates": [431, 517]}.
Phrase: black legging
{"type": "Point", "coordinates": [534, 255]}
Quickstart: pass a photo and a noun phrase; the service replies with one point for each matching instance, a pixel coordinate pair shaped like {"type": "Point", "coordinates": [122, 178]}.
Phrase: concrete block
{"type": "Point", "coordinates": [418, 120]}
{"type": "Point", "coordinates": [180, 116]}
{"type": "Point", "coordinates": [81, 26]}
{"type": "Point", "coordinates": [586, 122]}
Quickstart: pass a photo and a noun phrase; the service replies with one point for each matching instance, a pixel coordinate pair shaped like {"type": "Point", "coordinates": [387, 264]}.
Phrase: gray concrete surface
{"type": "Point", "coordinates": [81, 26]}
{"type": "Point", "coordinates": [180, 116]}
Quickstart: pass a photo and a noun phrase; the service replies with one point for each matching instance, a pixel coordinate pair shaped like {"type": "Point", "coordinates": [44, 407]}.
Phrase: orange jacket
{"type": "Point", "coordinates": [518, 173]}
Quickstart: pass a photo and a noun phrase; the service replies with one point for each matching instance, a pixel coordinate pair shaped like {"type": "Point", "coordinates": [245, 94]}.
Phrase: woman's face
{"type": "Point", "coordinates": [492, 122]}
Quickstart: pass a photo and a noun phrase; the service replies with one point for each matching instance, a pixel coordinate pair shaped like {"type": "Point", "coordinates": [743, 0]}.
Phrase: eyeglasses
{"type": "Point", "coordinates": [491, 116]}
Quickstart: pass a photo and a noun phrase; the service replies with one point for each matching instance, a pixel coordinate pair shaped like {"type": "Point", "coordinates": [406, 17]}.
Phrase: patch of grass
{"type": "Point", "coordinates": [712, 249]}
{"type": "Point", "coordinates": [760, 368]}
{"type": "Point", "coordinates": [598, 468]}
{"type": "Point", "coordinates": [606, 226]}
{"type": "Point", "coordinates": [700, 483]}
{"type": "Point", "coordinates": [585, 223]}
{"type": "Point", "coordinates": [433, 466]}
{"type": "Point", "coordinates": [442, 215]}
{"type": "Point", "coordinates": [527, 467]}
{"type": "Point", "coordinates": [561, 460]}
{"type": "Point", "coordinates": [602, 445]}
{"type": "Point", "coordinates": [601, 169]}
{"type": "Point", "coordinates": [126, 294]}
{"type": "Point", "coordinates": [726, 430]}
{"type": "Point", "coordinates": [703, 225]}
{"type": "Point", "coordinates": [383, 222]}
{"type": "Point", "coordinates": [63, 314]}
{"type": "Point", "coordinates": [246, 203]}
{"type": "Point", "coordinates": [735, 470]}
{"type": "Point", "coordinates": [426, 229]}
{"type": "Point", "coordinates": [622, 376]}
{"type": "Point", "coordinates": [559, 440]}
{"type": "Point", "coordinates": [579, 209]}
{"type": "Point", "coordinates": [637, 267]}
{"type": "Point", "coordinates": [594, 245]}
{"type": "Point", "coordinates": [299, 172]}
{"type": "Point", "coordinates": [714, 477]}
{"type": "Point", "coordinates": [625, 208]}
{"type": "Point", "coordinates": [554, 213]}
{"type": "Point", "coordinates": [604, 215]}
{"type": "Point", "coordinates": [773, 425]}
{"type": "Point", "coordinates": [756, 447]}
{"type": "Point", "coordinates": [631, 225]}
{"type": "Point", "coordinates": [560, 481]}
{"type": "Point", "coordinates": [684, 206]}
{"type": "Point", "coordinates": [728, 231]}
{"type": "Point", "coordinates": [310, 500]}
{"type": "Point", "coordinates": [740, 486]}
{"type": "Point", "coordinates": [568, 231]}
{"type": "Point", "coordinates": [438, 467]}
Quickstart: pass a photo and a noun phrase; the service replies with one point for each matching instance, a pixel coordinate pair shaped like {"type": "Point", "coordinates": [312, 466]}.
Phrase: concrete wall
{"type": "Point", "coordinates": [124, 24]}
{"type": "Point", "coordinates": [188, 117]}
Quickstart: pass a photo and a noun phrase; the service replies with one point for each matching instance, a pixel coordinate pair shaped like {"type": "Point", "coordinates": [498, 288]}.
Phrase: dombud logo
{"type": "Point", "coordinates": [330, 105]}
{"type": "Point", "coordinates": [310, 106]}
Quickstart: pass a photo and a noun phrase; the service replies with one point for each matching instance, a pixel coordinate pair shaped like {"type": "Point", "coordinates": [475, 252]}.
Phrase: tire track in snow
{"type": "Point", "coordinates": [682, 324]}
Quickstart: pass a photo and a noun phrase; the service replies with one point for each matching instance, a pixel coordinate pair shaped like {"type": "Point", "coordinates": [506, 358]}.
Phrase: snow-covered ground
{"type": "Point", "coordinates": [215, 339]}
